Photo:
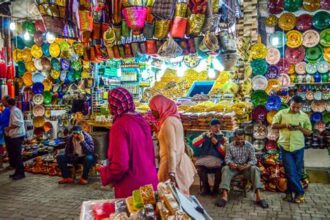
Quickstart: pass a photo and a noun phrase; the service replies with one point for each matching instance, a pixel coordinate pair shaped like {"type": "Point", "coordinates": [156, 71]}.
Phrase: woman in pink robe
{"type": "Point", "coordinates": [131, 152]}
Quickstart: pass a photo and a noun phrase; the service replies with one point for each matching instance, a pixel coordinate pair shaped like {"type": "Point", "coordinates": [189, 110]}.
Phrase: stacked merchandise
{"type": "Point", "coordinates": [144, 203]}
{"type": "Point", "coordinates": [201, 121]}
{"type": "Point", "coordinates": [43, 165]}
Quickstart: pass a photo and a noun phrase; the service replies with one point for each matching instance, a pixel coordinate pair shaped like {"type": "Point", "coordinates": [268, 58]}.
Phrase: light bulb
{"type": "Point", "coordinates": [145, 75]}
{"type": "Point", "coordinates": [218, 65]}
{"type": "Point", "coordinates": [27, 36]}
{"type": "Point", "coordinates": [275, 41]}
{"type": "Point", "coordinates": [50, 37]}
{"type": "Point", "coordinates": [211, 73]}
{"type": "Point", "coordinates": [12, 26]}
{"type": "Point", "coordinates": [201, 66]}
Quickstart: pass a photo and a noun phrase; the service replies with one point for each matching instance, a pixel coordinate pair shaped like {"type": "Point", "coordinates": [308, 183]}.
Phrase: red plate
{"type": "Point", "coordinates": [283, 66]}
{"type": "Point", "coordinates": [304, 22]}
{"type": "Point", "coordinates": [295, 55]}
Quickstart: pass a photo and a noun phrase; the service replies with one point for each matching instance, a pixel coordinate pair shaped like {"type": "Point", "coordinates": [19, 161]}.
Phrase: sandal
{"type": "Point", "coordinates": [299, 199]}
{"type": "Point", "coordinates": [262, 203]}
{"type": "Point", "coordinates": [221, 203]}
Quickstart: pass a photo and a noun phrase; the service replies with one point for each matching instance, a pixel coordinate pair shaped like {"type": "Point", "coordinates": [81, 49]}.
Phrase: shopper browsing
{"type": "Point", "coordinates": [4, 123]}
{"type": "Point", "coordinates": [131, 154]}
{"type": "Point", "coordinates": [293, 125]}
{"type": "Point", "coordinates": [174, 165]}
{"type": "Point", "coordinates": [240, 159]}
{"type": "Point", "coordinates": [15, 133]}
{"type": "Point", "coordinates": [211, 156]}
{"type": "Point", "coordinates": [79, 149]}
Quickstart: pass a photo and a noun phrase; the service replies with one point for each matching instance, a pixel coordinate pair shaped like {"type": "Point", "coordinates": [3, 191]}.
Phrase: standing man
{"type": "Point", "coordinates": [293, 125]}
{"type": "Point", "coordinates": [4, 122]}
{"type": "Point", "coordinates": [241, 159]}
{"type": "Point", "coordinates": [15, 132]}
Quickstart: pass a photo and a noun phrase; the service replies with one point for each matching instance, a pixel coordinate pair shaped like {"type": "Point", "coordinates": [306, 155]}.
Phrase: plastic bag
{"type": "Point", "coordinates": [170, 49]}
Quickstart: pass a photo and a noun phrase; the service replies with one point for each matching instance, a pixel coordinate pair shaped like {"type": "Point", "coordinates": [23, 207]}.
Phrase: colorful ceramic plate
{"type": "Point", "coordinates": [273, 72]}
{"type": "Point", "coordinates": [36, 51]}
{"type": "Point", "coordinates": [54, 50]}
{"type": "Point", "coordinates": [273, 56]}
{"type": "Point", "coordinates": [311, 38]}
{"type": "Point", "coordinates": [27, 79]}
{"type": "Point", "coordinates": [287, 21]}
{"type": "Point", "coordinates": [55, 64]}
{"type": "Point", "coordinates": [300, 68]}
{"type": "Point", "coordinates": [323, 67]}
{"type": "Point", "coordinates": [325, 4]}
{"type": "Point", "coordinates": [294, 39]}
{"type": "Point", "coordinates": [325, 38]}
{"type": "Point", "coordinates": [47, 84]}
{"type": "Point", "coordinates": [326, 54]}
{"type": "Point", "coordinates": [259, 97]}
{"type": "Point", "coordinates": [38, 88]}
{"type": "Point", "coordinates": [311, 68]}
{"type": "Point", "coordinates": [38, 99]}
{"type": "Point", "coordinates": [259, 113]}
{"type": "Point", "coordinates": [275, 6]}
{"type": "Point", "coordinates": [38, 111]}
{"type": "Point", "coordinates": [311, 5]}
{"type": "Point", "coordinates": [304, 22]}
{"type": "Point", "coordinates": [30, 66]}
{"type": "Point", "coordinates": [277, 39]}
{"type": "Point", "coordinates": [271, 21]}
{"type": "Point", "coordinates": [273, 103]}
{"type": "Point", "coordinates": [26, 55]}
{"type": "Point", "coordinates": [21, 68]}
{"type": "Point", "coordinates": [292, 5]}
{"type": "Point", "coordinates": [283, 66]}
{"type": "Point", "coordinates": [291, 69]}
{"type": "Point", "coordinates": [295, 55]}
{"type": "Point", "coordinates": [284, 80]}
{"type": "Point", "coordinates": [38, 77]}
{"type": "Point", "coordinates": [259, 67]}
{"type": "Point", "coordinates": [38, 122]}
{"type": "Point", "coordinates": [259, 82]}
{"type": "Point", "coordinates": [258, 51]}
{"type": "Point", "coordinates": [321, 20]}
{"type": "Point", "coordinates": [313, 54]}
{"type": "Point", "coordinates": [47, 97]}
{"type": "Point", "coordinates": [65, 64]}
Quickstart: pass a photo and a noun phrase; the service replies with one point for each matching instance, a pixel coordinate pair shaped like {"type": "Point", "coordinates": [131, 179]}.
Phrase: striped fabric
{"type": "Point", "coordinates": [198, 142]}
{"type": "Point", "coordinates": [121, 102]}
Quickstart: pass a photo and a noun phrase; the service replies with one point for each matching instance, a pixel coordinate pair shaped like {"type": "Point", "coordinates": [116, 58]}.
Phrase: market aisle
{"type": "Point", "coordinates": [40, 197]}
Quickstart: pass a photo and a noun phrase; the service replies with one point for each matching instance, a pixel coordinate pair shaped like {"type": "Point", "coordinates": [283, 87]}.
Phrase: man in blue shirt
{"type": "Point", "coordinates": [4, 122]}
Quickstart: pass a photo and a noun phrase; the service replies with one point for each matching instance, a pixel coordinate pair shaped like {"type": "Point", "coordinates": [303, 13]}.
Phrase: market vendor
{"type": "Point", "coordinates": [4, 122]}
{"type": "Point", "coordinates": [79, 149]}
{"type": "Point", "coordinates": [240, 159]}
{"type": "Point", "coordinates": [294, 125]}
{"type": "Point", "coordinates": [175, 164]}
{"type": "Point", "coordinates": [211, 156]}
{"type": "Point", "coordinates": [131, 153]}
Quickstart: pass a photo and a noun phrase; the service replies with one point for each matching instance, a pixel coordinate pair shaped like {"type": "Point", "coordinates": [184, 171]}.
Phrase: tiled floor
{"type": "Point", "coordinates": [40, 197]}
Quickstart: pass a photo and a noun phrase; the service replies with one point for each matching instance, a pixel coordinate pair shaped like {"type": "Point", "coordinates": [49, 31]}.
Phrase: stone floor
{"type": "Point", "coordinates": [40, 197]}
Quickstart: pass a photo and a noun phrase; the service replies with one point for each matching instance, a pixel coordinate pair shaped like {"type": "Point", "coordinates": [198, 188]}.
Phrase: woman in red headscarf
{"type": "Point", "coordinates": [174, 162]}
{"type": "Point", "coordinates": [131, 153]}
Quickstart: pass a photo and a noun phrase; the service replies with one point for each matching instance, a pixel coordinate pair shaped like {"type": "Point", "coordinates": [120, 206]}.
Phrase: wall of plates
{"type": "Point", "coordinates": [49, 73]}
{"type": "Point", "coordinates": [291, 57]}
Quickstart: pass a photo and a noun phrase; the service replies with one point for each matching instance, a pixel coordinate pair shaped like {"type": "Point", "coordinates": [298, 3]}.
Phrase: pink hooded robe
{"type": "Point", "coordinates": [131, 153]}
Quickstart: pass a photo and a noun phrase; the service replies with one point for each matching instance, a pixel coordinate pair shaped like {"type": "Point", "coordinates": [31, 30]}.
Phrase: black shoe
{"type": "Point", "coordinates": [12, 175]}
{"type": "Point", "coordinates": [19, 177]}
{"type": "Point", "coordinates": [288, 197]}
{"type": "Point", "coordinates": [215, 192]}
{"type": "Point", "coordinates": [205, 193]}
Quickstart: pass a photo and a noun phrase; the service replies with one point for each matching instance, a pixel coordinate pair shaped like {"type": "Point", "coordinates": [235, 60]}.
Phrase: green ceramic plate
{"type": "Point", "coordinates": [321, 20]}
{"type": "Point", "coordinates": [259, 97]}
{"type": "Point", "coordinates": [325, 38]}
{"type": "Point", "coordinates": [47, 97]}
{"type": "Point", "coordinates": [313, 54]}
{"type": "Point", "coordinates": [259, 67]}
{"type": "Point", "coordinates": [292, 5]}
{"type": "Point", "coordinates": [55, 64]}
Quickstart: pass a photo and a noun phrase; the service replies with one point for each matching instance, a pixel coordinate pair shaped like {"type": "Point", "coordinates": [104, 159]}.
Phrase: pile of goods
{"type": "Point", "coordinates": [201, 121]}
{"type": "Point", "coordinates": [45, 166]}
{"type": "Point", "coordinates": [143, 204]}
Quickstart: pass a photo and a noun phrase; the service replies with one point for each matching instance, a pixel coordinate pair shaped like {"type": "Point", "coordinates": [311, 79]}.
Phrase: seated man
{"type": "Point", "coordinates": [211, 148]}
{"type": "Point", "coordinates": [79, 148]}
{"type": "Point", "coordinates": [240, 159]}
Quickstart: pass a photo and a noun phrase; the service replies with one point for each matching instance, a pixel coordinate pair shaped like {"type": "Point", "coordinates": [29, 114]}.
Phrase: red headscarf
{"type": "Point", "coordinates": [165, 107]}
{"type": "Point", "coordinates": [121, 102]}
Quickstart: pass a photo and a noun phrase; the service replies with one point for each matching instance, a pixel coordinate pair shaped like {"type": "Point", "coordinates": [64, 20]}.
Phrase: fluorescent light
{"type": "Point", "coordinates": [201, 66]}
{"type": "Point", "coordinates": [27, 36]}
{"type": "Point", "coordinates": [50, 37]}
{"type": "Point", "coordinates": [218, 65]}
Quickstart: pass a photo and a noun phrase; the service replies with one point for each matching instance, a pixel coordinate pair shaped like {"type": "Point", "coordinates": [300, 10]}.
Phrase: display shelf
{"type": "Point", "coordinates": [202, 130]}
{"type": "Point", "coordinates": [321, 83]}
